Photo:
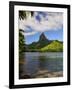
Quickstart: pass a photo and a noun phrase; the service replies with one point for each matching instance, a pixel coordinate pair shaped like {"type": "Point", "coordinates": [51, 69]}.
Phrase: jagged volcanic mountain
{"type": "Point", "coordinates": [43, 41]}
{"type": "Point", "coordinates": [43, 37]}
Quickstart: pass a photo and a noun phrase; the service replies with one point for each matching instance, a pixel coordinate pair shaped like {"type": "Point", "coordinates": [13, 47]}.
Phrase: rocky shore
{"type": "Point", "coordinates": [43, 74]}
{"type": "Point", "coordinates": [46, 74]}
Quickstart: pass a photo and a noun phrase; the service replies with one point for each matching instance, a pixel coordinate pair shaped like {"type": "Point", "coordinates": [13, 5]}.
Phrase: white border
{"type": "Point", "coordinates": [16, 58]}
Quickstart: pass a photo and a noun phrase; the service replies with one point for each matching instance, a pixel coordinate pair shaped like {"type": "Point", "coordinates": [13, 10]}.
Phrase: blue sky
{"type": "Point", "coordinates": [51, 35]}
{"type": "Point", "coordinates": [51, 23]}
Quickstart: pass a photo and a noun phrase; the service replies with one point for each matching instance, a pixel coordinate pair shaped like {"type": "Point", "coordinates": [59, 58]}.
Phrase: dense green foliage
{"type": "Point", "coordinates": [21, 42]}
{"type": "Point", "coordinates": [55, 46]}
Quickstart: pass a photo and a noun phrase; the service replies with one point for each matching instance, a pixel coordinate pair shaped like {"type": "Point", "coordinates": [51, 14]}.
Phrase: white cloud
{"type": "Point", "coordinates": [52, 21]}
{"type": "Point", "coordinates": [29, 33]}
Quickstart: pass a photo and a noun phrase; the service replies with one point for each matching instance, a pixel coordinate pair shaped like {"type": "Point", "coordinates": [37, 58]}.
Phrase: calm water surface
{"type": "Point", "coordinates": [32, 62]}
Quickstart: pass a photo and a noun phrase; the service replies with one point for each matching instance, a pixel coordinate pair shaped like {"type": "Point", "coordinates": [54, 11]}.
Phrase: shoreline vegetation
{"type": "Point", "coordinates": [45, 45]}
{"type": "Point", "coordinates": [42, 45]}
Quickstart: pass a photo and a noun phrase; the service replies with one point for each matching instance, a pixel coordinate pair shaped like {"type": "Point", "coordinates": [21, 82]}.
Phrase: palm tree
{"type": "Point", "coordinates": [23, 14]}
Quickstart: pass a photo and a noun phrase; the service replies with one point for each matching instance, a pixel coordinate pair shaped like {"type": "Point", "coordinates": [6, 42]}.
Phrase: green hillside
{"type": "Point", "coordinates": [36, 46]}
{"type": "Point", "coordinates": [54, 46]}
{"type": "Point", "coordinates": [44, 45]}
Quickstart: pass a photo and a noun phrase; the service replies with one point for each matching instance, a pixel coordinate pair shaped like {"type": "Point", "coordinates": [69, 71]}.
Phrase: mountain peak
{"type": "Point", "coordinates": [43, 37]}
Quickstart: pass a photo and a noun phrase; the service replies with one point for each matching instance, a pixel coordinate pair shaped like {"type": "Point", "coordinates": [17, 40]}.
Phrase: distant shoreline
{"type": "Point", "coordinates": [38, 51]}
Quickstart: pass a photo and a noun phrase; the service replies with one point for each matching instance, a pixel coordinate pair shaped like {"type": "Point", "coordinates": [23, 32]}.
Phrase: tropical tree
{"type": "Point", "coordinates": [23, 15]}
{"type": "Point", "coordinates": [21, 42]}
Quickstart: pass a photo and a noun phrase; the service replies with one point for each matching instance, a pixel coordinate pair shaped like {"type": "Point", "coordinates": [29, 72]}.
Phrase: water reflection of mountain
{"type": "Point", "coordinates": [37, 64]}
